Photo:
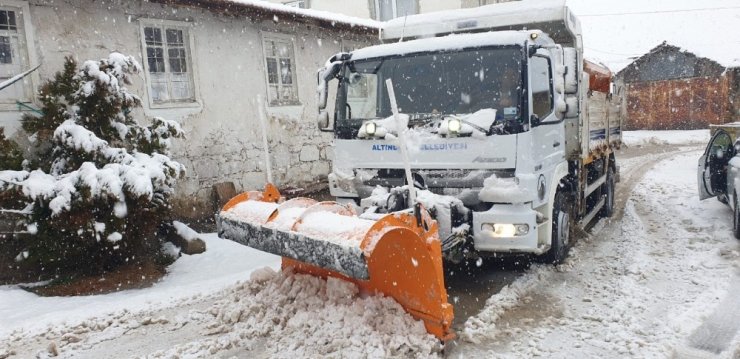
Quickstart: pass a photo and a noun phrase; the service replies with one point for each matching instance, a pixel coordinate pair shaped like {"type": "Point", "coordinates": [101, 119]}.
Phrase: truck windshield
{"type": "Point", "coordinates": [431, 85]}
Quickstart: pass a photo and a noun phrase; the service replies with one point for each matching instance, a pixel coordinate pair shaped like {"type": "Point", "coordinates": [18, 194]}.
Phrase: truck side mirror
{"type": "Point", "coordinates": [326, 74]}
{"type": "Point", "coordinates": [323, 77]}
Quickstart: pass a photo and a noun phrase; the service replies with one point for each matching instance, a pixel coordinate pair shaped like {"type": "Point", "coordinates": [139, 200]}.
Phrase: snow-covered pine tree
{"type": "Point", "coordinates": [103, 183]}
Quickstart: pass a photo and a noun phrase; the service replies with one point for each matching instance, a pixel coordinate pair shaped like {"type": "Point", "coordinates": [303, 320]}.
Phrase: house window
{"type": "Point", "coordinates": [280, 64]}
{"type": "Point", "coordinates": [168, 63]}
{"type": "Point", "coordinates": [13, 55]}
{"type": "Point", "coordinates": [390, 9]}
{"type": "Point", "coordinates": [301, 4]}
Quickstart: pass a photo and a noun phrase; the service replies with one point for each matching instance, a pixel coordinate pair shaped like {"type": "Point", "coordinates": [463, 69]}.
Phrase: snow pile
{"type": "Point", "coordinates": [645, 138]}
{"type": "Point", "coordinates": [251, 211]}
{"type": "Point", "coordinates": [335, 228]}
{"type": "Point", "coordinates": [185, 232]}
{"type": "Point", "coordinates": [286, 218]}
{"type": "Point", "coordinates": [478, 123]}
{"type": "Point", "coordinates": [483, 325]}
{"type": "Point", "coordinates": [305, 316]}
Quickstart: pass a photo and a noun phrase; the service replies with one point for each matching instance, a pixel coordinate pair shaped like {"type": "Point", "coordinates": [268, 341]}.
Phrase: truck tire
{"type": "Point", "coordinates": [735, 218]}
{"type": "Point", "coordinates": [609, 186]}
{"type": "Point", "coordinates": [560, 236]}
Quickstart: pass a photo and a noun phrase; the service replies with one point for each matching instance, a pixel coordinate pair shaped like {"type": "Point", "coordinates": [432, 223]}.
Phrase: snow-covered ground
{"type": "Point", "coordinates": [644, 138]}
{"type": "Point", "coordinates": [660, 279]}
{"type": "Point", "coordinates": [641, 286]}
{"type": "Point", "coordinates": [223, 264]}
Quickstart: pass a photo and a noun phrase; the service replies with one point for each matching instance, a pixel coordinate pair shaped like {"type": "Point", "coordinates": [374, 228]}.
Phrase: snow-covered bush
{"type": "Point", "coordinates": [102, 183]}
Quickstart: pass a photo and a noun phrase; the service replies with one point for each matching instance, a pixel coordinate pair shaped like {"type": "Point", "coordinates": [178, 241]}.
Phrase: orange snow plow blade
{"type": "Point", "coordinates": [398, 255]}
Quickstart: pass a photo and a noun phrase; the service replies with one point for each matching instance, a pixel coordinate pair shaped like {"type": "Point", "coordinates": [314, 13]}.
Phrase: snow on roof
{"type": "Point", "coordinates": [281, 12]}
{"type": "Point", "coordinates": [720, 55]}
{"type": "Point", "coordinates": [516, 15]}
{"type": "Point", "coordinates": [449, 42]}
{"type": "Point", "coordinates": [666, 45]}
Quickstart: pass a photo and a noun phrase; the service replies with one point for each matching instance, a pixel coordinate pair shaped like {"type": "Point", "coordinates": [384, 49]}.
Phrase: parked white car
{"type": "Point", "coordinates": [719, 171]}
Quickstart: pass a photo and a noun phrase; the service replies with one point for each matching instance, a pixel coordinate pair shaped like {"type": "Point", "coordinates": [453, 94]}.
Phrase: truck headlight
{"type": "Point", "coordinates": [505, 230]}
{"type": "Point", "coordinates": [370, 128]}
{"type": "Point", "coordinates": [454, 125]}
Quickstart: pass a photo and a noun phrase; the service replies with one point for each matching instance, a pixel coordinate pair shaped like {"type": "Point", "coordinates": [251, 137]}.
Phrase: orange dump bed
{"type": "Point", "coordinates": [599, 77]}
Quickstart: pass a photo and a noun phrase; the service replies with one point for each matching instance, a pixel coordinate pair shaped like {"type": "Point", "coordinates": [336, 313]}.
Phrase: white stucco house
{"type": "Point", "coordinates": [205, 64]}
{"type": "Point", "coordinates": [384, 10]}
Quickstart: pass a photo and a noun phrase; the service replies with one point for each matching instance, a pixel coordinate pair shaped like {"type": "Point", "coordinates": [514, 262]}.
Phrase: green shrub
{"type": "Point", "coordinates": [11, 157]}
{"type": "Point", "coordinates": [102, 183]}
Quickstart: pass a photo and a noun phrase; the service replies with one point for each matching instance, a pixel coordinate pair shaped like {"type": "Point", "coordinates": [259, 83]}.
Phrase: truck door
{"type": "Point", "coordinates": [712, 170]}
{"type": "Point", "coordinates": [548, 144]}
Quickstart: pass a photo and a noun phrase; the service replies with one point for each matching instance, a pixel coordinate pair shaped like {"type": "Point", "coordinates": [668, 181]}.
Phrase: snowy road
{"type": "Point", "coordinates": [660, 282]}
{"type": "Point", "coordinates": [661, 279]}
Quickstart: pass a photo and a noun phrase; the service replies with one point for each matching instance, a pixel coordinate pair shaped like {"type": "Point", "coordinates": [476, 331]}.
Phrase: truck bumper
{"type": "Point", "coordinates": [485, 240]}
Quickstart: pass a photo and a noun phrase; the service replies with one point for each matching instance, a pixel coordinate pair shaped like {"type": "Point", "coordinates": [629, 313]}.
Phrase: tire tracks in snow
{"type": "Point", "coordinates": [470, 288]}
{"type": "Point", "coordinates": [716, 333]}
{"type": "Point", "coordinates": [532, 306]}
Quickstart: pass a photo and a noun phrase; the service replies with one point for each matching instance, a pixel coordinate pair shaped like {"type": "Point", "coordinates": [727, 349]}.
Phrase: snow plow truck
{"type": "Point", "coordinates": [471, 133]}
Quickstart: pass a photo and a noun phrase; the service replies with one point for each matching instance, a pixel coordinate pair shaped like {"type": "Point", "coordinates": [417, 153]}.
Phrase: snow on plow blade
{"type": "Point", "coordinates": [397, 255]}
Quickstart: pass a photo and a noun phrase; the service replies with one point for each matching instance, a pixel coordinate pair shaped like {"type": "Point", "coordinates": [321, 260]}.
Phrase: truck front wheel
{"type": "Point", "coordinates": [560, 236]}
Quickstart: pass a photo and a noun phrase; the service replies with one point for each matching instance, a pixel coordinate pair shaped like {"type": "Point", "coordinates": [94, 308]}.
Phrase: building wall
{"type": "Point", "coordinates": [680, 104]}
{"type": "Point", "coordinates": [357, 8]}
{"type": "Point", "coordinates": [223, 132]}
{"type": "Point", "coordinates": [734, 79]}
{"type": "Point", "coordinates": [427, 6]}
{"type": "Point", "coordinates": [366, 8]}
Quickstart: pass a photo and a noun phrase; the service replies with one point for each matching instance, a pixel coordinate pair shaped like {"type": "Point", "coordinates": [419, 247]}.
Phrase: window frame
{"type": "Point", "coordinates": [394, 9]}
{"type": "Point", "coordinates": [24, 29]}
{"type": "Point", "coordinates": [530, 95]}
{"type": "Point", "coordinates": [189, 46]}
{"type": "Point", "coordinates": [297, 4]}
{"type": "Point", "coordinates": [272, 36]}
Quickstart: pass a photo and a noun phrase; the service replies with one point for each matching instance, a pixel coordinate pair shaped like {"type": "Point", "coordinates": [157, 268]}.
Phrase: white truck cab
{"type": "Point", "coordinates": [510, 141]}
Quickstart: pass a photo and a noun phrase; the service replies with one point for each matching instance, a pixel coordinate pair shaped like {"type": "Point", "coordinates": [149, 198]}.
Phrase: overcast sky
{"type": "Point", "coordinates": [615, 30]}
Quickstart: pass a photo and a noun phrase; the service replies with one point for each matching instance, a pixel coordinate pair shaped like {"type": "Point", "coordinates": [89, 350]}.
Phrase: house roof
{"type": "Point", "coordinates": [723, 63]}
{"type": "Point", "coordinates": [280, 12]}
{"type": "Point", "coordinates": [665, 46]}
